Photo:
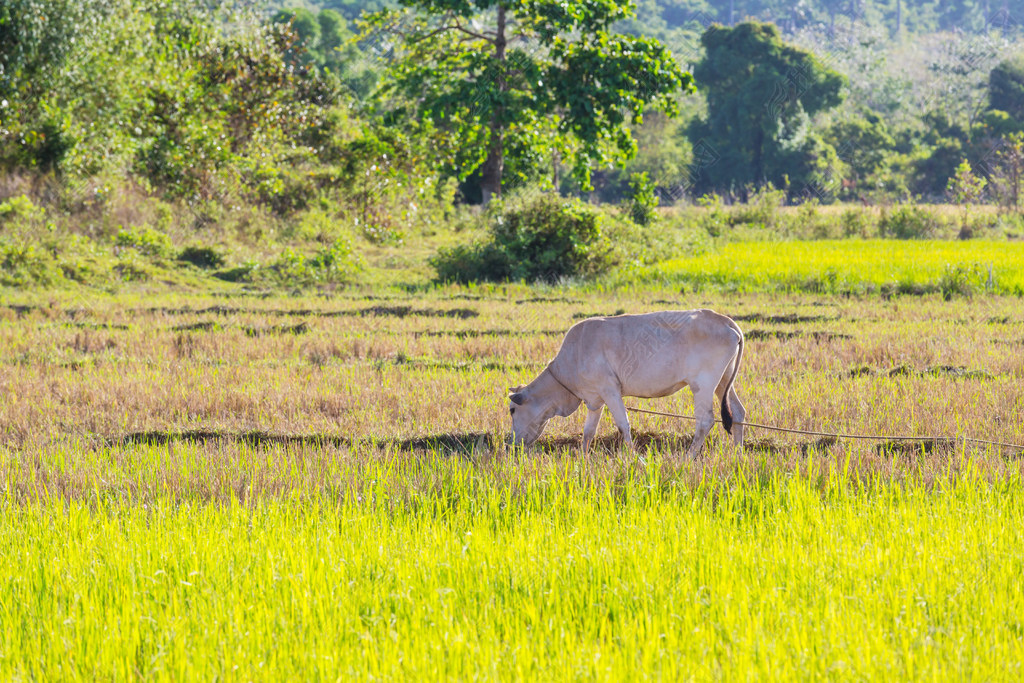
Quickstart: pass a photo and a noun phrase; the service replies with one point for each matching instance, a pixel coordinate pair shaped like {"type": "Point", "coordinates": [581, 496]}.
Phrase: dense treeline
{"type": "Point", "coordinates": [310, 134]}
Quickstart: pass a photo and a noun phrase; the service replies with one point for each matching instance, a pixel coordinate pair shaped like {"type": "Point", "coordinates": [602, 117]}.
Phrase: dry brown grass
{"type": "Point", "coordinates": [275, 394]}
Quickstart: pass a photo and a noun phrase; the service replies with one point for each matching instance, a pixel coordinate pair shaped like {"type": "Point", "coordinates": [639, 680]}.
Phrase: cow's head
{"type": "Point", "coordinates": [530, 415]}
{"type": "Point", "coordinates": [532, 406]}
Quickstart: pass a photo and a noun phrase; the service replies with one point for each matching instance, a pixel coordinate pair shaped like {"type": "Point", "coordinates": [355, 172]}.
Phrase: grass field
{"type": "Point", "coordinates": [857, 266]}
{"type": "Point", "coordinates": [276, 487]}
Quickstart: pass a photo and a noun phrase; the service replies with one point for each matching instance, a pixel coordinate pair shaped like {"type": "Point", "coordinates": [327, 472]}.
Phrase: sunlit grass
{"type": "Point", "coordinates": [851, 265]}
{"type": "Point", "coordinates": [553, 576]}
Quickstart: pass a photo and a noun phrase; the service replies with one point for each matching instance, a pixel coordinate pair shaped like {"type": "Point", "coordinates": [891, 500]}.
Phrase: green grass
{"type": "Point", "coordinates": [542, 573]}
{"type": "Point", "coordinates": [331, 498]}
{"type": "Point", "coordinates": [849, 265]}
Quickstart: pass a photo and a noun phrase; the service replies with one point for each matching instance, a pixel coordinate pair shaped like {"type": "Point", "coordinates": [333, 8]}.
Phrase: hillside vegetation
{"type": "Point", "coordinates": [272, 149]}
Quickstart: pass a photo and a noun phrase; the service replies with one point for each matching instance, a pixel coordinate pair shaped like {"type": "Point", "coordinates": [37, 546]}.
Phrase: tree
{"type": "Point", "coordinates": [761, 94]}
{"type": "Point", "coordinates": [1006, 88]}
{"type": "Point", "coordinates": [863, 143]}
{"type": "Point", "coordinates": [965, 188]}
{"type": "Point", "coordinates": [1007, 170]}
{"type": "Point", "coordinates": [512, 82]}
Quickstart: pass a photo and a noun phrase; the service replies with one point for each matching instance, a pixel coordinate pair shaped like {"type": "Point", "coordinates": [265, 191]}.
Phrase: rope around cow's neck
{"type": "Point", "coordinates": [560, 382]}
{"type": "Point", "coordinates": [836, 435]}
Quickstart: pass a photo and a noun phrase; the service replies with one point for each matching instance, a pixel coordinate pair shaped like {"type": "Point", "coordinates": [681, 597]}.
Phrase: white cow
{"type": "Point", "coordinates": [649, 355]}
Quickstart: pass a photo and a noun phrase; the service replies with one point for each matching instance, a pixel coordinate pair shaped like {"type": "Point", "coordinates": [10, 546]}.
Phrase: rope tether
{"type": "Point", "coordinates": [875, 437]}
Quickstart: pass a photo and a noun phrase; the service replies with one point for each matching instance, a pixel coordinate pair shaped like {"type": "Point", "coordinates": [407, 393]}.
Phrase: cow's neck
{"type": "Point", "coordinates": [564, 401]}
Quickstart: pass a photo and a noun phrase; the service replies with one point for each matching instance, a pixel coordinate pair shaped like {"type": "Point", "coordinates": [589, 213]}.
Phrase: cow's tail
{"type": "Point", "coordinates": [726, 410]}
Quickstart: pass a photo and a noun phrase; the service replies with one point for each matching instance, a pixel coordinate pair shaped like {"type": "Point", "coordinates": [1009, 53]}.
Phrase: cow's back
{"type": "Point", "coordinates": [649, 354]}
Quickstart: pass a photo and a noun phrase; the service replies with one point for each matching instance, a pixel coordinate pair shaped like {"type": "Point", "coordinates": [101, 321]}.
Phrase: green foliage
{"type": "Point", "coordinates": [642, 206]}
{"type": "Point", "coordinates": [19, 208]}
{"type": "Point", "coordinates": [864, 145]}
{"type": "Point", "coordinates": [908, 222]}
{"type": "Point", "coordinates": [324, 41]}
{"type": "Point", "coordinates": [145, 240]}
{"type": "Point", "coordinates": [23, 264]}
{"type": "Point", "coordinates": [963, 280]}
{"type": "Point", "coordinates": [965, 188]}
{"type": "Point", "coordinates": [1006, 88]}
{"type": "Point", "coordinates": [854, 223]}
{"type": "Point", "coordinates": [1006, 173]}
{"type": "Point", "coordinates": [933, 172]}
{"type": "Point", "coordinates": [332, 264]}
{"type": "Point", "coordinates": [762, 210]}
{"type": "Point", "coordinates": [525, 82]}
{"type": "Point", "coordinates": [760, 93]}
{"type": "Point", "coordinates": [539, 237]}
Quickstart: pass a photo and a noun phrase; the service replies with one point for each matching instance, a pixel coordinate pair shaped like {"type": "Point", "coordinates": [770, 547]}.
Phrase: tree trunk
{"type": "Point", "coordinates": [494, 166]}
{"type": "Point", "coordinates": [758, 157]}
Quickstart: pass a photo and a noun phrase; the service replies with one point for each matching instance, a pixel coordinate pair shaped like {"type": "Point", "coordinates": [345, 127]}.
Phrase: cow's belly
{"type": "Point", "coordinates": [652, 389]}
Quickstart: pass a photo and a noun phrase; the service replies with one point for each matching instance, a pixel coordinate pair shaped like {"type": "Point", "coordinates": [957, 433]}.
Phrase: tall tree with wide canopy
{"type": "Point", "coordinates": [1006, 88]}
{"type": "Point", "coordinates": [516, 83]}
{"type": "Point", "coordinates": [761, 94]}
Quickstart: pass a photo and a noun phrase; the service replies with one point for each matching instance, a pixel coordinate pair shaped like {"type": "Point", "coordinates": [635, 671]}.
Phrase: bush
{"type": "Point", "coordinates": [642, 208]}
{"type": "Point", "coordinates": [145, 240]}
{"type": "Point", "coordinates": [25, 264]}
{"type": "Point", "coordinates": [762, 210]}
{"type": "Point", "coordinates": [856, 223]}
{"type": "Point", "coordinates": [542, 237]}
{"type": "Point", "coordinates": [335, 263]}
{"type": "Point", "coordinates": [19, 207]}
{"type": "Point", "coordinates": [964, 280]}
{"type": "Point", "coordinates": [908, 222]}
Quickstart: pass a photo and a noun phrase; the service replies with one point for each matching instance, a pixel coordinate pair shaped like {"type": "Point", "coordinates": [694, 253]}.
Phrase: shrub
{"type": "Point", "coordinates": [19, 207]}
{"type": "Point", "coordinates": [25, 264]}
{"type": "Point", "coordinates": [964, 280]}
{"type": "Point", "coordinates": [642, 208]}
{"type": "Point", "coordinates": [908, 222]}
{"type": "Point", "coordinates": [145, 240]}
{"type": "Point", "coordinates": [762, 210]}
{"type": "Point", "coordinates": [335, 263]}
{"type": "Point", "coordinates": [856, 223]}
{"type": "Point", "coordinates": [542, 237]}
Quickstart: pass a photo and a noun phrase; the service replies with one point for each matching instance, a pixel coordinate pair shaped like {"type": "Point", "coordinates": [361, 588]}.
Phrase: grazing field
{"type": "Point", "coordinates": [266, 487]}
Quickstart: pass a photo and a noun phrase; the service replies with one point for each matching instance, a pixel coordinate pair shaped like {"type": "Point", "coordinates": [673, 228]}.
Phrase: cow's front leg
{"type": "Point", "coordinates": [618, 410]}
{"type": "Point", "coordinates": [590, 426]}
{"type": "Point", "coordinates": [703, 413]}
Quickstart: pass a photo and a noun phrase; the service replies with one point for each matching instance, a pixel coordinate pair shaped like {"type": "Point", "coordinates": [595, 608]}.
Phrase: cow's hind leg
{"type": "Point", "coordinates": [590, 426]}
{"type": "Point", "coordinates": [703, 412]}
{"type": "Point", "coordinates": [739, 413]}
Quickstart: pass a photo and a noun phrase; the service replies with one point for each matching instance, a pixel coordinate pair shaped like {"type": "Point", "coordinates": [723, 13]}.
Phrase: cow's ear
{"type": "Point", "coordinates": [517, 398]}
{"type": "Point", "coordinates": [515, 390]}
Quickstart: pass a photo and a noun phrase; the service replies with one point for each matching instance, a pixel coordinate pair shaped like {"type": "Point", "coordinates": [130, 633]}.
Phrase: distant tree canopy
{"type": "Point", "coordinates": [324, 40]}
{"type": "Point", "coordinates": [1006, 88]}
{"type": "Point", "coordinates": [510, 83]}
{"type": "Point", "coordinates": [761, 94]}
{"type": "Point", "coordinates": [661, 17]}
